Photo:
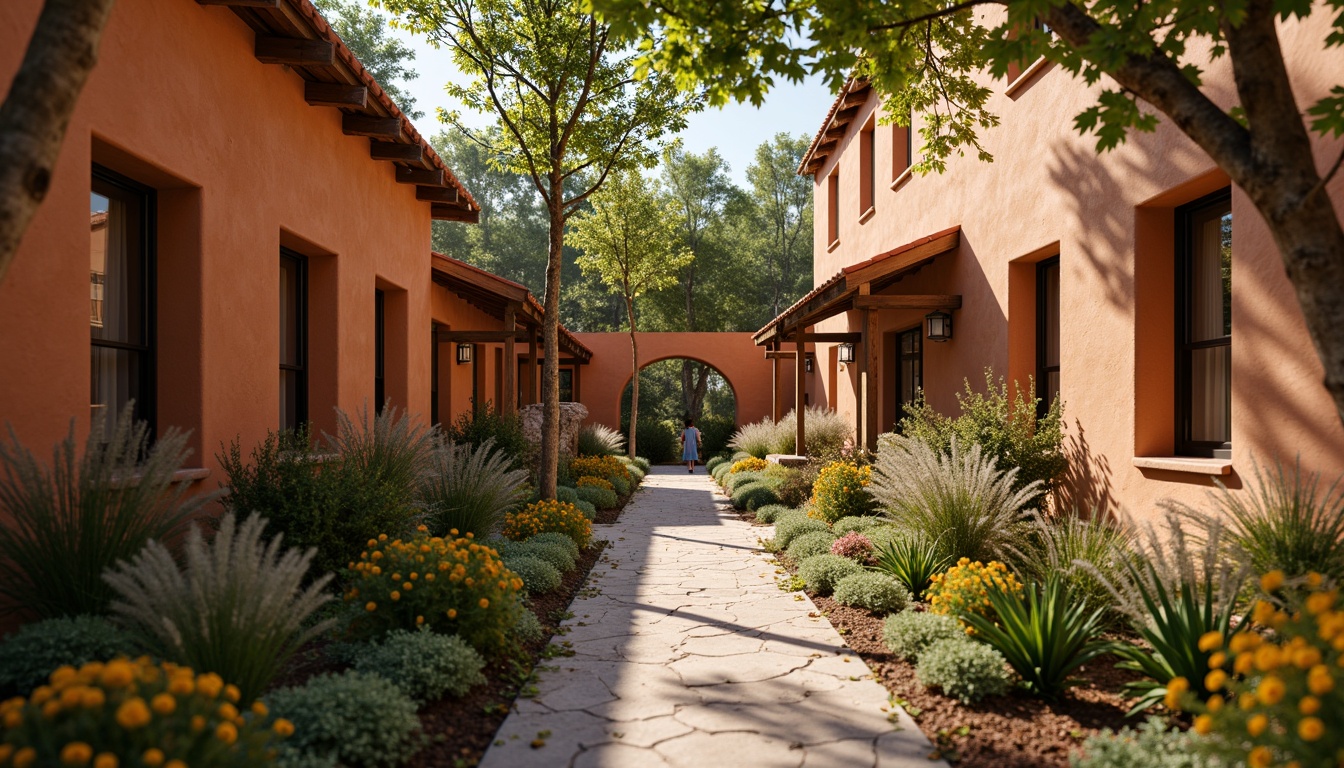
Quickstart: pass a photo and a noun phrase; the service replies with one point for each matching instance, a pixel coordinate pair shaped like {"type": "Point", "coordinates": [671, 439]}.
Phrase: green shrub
{"type": "Point", "coordinates": [355, 718]}
{"type": "Point", "coordinates": [822, 573]}
{"type": "Point", "coordinates": [538, 575]}
{"type": "Point", "coordinates": [1007, 430]}
{"type": "Point", "coordinates": [1087, 554]}
{"type": "Point", "coordinates": [854, 546]}
{"type": "Point", "coordinates": [795, 488]}
{"type": "Point", "coordinates": [642, 463]}
{"type": "Point", "coordinates": [882, 534]}
{"type": "Point", "coordinates": [841, 490]}
{"type": "Point", "coordinates": [770, 512]}
{"type": "Point", "coordinates": [504, 431]}
{"type": "Point", "coordinates": [787, 528]}
{"type": "Point", "coordinates": [469, 489]}
{"type": "Point", "coordinates": [715, 432]}
{"type": "Point", "coordinates": [911, 559]}
{"type": "Point", "coordinates": [236, 607]}
{"type": "Point", "coordinates": [855, 524]}
{"type": "Point", "coordinates": [589, 511]}
{"type": "Point", "coordinates": [714, 462]}
{"type": "Point", "coordinates": [554, 553]}
{"type": "Point", "coordinates": [656, 439]}
{"type": "Point", "coordinates": [873, 591]}
{"type": "Point", "coordinates": [601, 498]}
{"type": "Point", "coordinates": [1045, 635]}
{"type": "Point", "coordinates": [749, 496]}
{"type": "Point", "coordinates": [810, 544]}
{"type": "Point", "coordinates": [559, 539]}
{"type": "Point", "coordinates": [423, 664]}
{"type": "Point", "coordinates": [1151, 745]}
{"type": "Point", "coordinates": [529, 627]}
{"type": "Point", "coordinates": [30, 655]}
{"type": "Point", "coordinates": [332, 498]}
{"type": "Point", "coordinates": [600, 440]}
{"type": "Point", "coordinates": [964, 669]}
{"type": "Point", "coordinates": [63, 524]}
{"type": "Point", "coordinates": [908, 633]}
{"type": "Point", "coordinates": [720, 473]}
{"type": "Point", "coordinates": [564, 493]}
{"type": "Point", "coordinates": [735, 479]}
{"type": "Point", "coordinates": [636, 474]}
{"type": "Point", "coordinates": [957, 500]}
{"type": "Point", "coordinates": [622, 483]}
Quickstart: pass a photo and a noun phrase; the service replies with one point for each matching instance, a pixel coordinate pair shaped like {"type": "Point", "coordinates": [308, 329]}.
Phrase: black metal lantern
{"type": "Point", "coordinates": [808, 363]}
{"type": "Point", "coordinates": [845, 353]}
{"type": "Point", "coordinates": [463, 354]}
{"type": "Point", "coordinates": [940, 326]}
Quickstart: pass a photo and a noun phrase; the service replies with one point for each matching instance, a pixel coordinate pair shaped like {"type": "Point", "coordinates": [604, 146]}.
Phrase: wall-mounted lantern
{"type": "Point", "coordinates": [808, 363]}
{"type": "Point", "coordinates": [845, 353]}
{"type": "Point", "coordinates": [940, 325]}
{"type": "Point", "coordinates": [463, 354]}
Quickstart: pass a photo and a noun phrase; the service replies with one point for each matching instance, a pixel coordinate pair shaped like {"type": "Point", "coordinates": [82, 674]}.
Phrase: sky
{"type": "Point", "coordinates": [736, 129]}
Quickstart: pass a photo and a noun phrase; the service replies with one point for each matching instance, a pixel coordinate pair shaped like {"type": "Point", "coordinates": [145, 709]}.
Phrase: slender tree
{"type": "Point", "coordinates": [784, 202]}
{"type": "Point", "coordinates": [36, 111]}
{"type": "Point", "coordinates": [629, 240]}
{"type": "Point", "coordinates": [934, 57]}
{"type": "Point", "coordinates": [570, 112]}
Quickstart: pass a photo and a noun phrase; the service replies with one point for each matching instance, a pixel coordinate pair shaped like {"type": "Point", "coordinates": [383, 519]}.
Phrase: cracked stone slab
{"type": "Point", "coordinates": [687, 654]}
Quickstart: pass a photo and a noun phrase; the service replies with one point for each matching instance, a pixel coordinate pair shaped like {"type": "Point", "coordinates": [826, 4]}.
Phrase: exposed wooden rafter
{"type": "Point", "coordinates": [372, 126]}
{"type": "Point", "coordinates": [441, 212]}
{"type": "Point", "coordinates": [433, 177]}
{"type": "Point", "coordinates": [294, 51]}
{"type": "Point", "coordinates": [909, 301]}
{"type": "Point", "coordinates": [242, 3]}
{"type": "Point", "coordinates": [335, 95]}
{"type": "Point", "coordinates": [401, 153]}
{"type": "Point", "coordinates": [436, 194]}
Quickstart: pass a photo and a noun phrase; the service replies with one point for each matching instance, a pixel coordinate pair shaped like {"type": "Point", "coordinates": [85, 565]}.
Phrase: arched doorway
{"type": "Point", "coordinates": [670, 391]}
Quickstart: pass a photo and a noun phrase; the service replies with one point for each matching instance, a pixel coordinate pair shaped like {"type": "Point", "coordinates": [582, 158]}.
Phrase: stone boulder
{"type": "Point", "coordinates": [571, 421]}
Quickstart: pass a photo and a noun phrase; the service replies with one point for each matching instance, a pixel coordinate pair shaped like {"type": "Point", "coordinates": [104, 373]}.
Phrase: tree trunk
{"type": "Point", "coordinates": [634, 379]}
{"type": "Point", "coordinates": [36, 113]}
{"type": "Point", "coordinates": [550, 369]}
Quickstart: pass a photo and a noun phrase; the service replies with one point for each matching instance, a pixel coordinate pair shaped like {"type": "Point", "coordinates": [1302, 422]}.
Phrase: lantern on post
{"type": "Point", "coordinates": [808, 362]}
{"type": "Point", "coordinates": [463, 354]}
{"type": "Point", "coordinates": [939, 325]}
{"type": "Point", "coordinates": [845, 353]}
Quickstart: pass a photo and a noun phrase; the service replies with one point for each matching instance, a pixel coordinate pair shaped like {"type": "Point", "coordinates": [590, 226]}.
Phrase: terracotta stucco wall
{"type": "Point", "coordinates": [1109, 218]}
{"type": "Point", "coordinates": [734, 355]}
{"type": "Point", "coordinates": [242, 166]}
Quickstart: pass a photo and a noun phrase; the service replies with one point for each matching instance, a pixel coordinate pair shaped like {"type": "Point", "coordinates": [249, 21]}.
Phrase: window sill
{"type": "Point", "coordinates": [834, 244]}
{"type": "Point", "coordinates": [1189, 464]}
{"type": "Point", "coordinates": [868, 214]}
{"type": "Point", "coordinates": [1019, 83]}
{"type": "Point", "coordinates": [901, 179]}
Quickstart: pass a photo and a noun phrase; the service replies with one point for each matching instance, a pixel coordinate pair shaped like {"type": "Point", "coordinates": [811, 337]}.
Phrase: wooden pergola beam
{"type": "Point", "coordinates": [400, 153]}
{"type": "Point", "coordinates": [481, 337]}
{"type": "Point", "coordinates": [433, 177]}
{"type": "Point", "coordinates": [335, 95]}
{"type": "Point", "coordinates": [373, 126]}
{"type": "Point", "coordinates": [909, 301]}
{"type": "Point", "coordinates": [827, 338]}
{"type": "Point", "coordinates": [294, 51]}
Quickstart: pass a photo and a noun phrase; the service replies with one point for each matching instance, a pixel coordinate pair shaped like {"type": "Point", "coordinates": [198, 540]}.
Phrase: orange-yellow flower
{"type": "Point", "coordinates": [283, 727]}
{"type": "Point", "coordinates": [76, 753]}
{"type": "Point", "coordinates": [1310, 728]}
{"type": "Point", "coordinates": [133, 714]}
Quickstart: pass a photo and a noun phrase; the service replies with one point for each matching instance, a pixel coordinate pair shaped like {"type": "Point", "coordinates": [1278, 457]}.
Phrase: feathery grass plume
{"type": "Point", "coordinates": [1175, 594]}
{"type": "Point", "coordinates": [959, 500]}
{"type": "Point", "coordinates": [236, 608]}
{"type": "Point", "coordinates": [1067, 545]}
{"type": "Point", "coordinates": [470, 488]}
{"type": "Point", "coordinates": [391, 452]}
{"type": "Point", "coordinates": [600, 440]}
{"type": "Point", "coordinates": [757, 438]}
{"type": "Point", "coordinates": [62, 524]}
{"type": "Point", "coordinates": [1283, 522]}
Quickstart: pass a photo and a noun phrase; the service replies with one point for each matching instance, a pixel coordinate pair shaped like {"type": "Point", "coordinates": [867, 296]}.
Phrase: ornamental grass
{"type": "Point", "coordinates": [451, 585]}
{"type": "Point", "coordinates": [548, 516]}
{"type": "Point", "coordinates": [138, 713]}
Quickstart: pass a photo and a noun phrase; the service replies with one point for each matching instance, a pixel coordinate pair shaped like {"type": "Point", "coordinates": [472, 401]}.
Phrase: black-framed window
{"type": "Point", "coordinates": [379, 350]}
{"type": "Point", "coordinates": [293, 339]}
{"type": "Point", "coordinates": [121, 291]}
{"type": "Point", "coordinates": [909, 369]}
{"type": "Point", "coordinates": [434, 376]}
{"type": "Point", "coordinates": [1204, 326]}
{"type": "Point", "coordinates": [566, 385]}
{"type": "Point", "coordinates": [1047, 333]}
{"type": "Point", "coordinates": [867, 170]}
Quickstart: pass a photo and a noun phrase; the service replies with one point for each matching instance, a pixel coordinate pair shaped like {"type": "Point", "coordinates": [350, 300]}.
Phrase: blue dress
{"type": "Point", "coordinates": [690, 439]}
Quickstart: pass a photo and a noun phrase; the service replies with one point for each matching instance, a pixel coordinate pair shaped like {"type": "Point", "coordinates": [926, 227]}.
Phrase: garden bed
{"type": "Point", "coordinates": [611, 516]}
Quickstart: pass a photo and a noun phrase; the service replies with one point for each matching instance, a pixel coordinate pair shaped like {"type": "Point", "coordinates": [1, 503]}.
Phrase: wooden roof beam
{"type": "Point", "coordinates": [436, 194]}
{"type": "Point", "coordinates": [401, 153]}
{"type": "Point", "coordinates": [372, 126]}
{"type": "Point", "coordinates": [335, 95]}
{"type": "Point", "coordinates": [909, 301]}
{"type": "Point", "coordinates": [294, 51]}
{"type": "Point", "coordinates": [274, 4]}
{"type": "Point", "coordinates": [433, 177]}
{"type": "Point", "coordinates": [440, 212]}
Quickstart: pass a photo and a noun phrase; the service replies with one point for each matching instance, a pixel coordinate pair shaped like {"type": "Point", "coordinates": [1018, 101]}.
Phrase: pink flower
{"type": "Point", "coordinates": [853, 545]}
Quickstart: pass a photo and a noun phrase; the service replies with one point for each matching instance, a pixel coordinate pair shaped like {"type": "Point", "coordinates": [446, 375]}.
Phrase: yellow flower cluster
{"type": "Point", "coordinates": [595, 482]}
{"type": "Point", "coordinates": [136, 712]}
{"type": "Point", "coordinates": [964, 588]}
{"type": "Point", "coordinates": [599, 466]}
{"type": "Point", "coordinates": [841, 489]}
{"type": "Point", "coordinates": [546, 516]}
{"type": "Point", "coordinates": [749, 464]}
{"type": "Point", "coordinates": [450, 584]}
{"type": "Point", "coordinates": [1276, 700]}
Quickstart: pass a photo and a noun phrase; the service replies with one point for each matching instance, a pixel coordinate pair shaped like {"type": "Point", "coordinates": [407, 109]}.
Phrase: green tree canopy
{"type": "Point", "coordinates": [385, 57]}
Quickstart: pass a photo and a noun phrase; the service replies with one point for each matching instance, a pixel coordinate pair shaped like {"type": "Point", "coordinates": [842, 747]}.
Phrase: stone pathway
{"type": "Point", "coordinates": [686, 653]}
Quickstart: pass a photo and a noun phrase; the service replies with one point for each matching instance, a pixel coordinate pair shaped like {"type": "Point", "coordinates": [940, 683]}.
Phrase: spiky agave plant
{"type": "Point", "coordinates": [912, 559]}
{"type": "Point", "coordinates": [62, 524]}
{"type": "Point", "coordinates": [470, 488]}
{"type": "Point", "coordinates": [236, 607]}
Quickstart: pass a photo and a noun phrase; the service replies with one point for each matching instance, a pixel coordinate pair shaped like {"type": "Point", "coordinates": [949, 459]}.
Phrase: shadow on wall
{"type": "Point", "coordinates": [1086, 485]}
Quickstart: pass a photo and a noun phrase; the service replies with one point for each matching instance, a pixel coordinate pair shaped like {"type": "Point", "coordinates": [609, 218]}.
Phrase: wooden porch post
{"type": "Point", "coordinates": [510, 363]}
{"type": "Point", "coordinates": [800, 370]}
{"type": "Point", "coordinates": [872, 366]}
{"type": "Point", "coordinates": [777, 404]}
{"type": "Point", "coordinates": [531, 367]}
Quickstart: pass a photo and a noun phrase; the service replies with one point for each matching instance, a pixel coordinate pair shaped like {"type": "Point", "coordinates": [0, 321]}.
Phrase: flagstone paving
{"type": "Point", "coordinates": [686, 653]}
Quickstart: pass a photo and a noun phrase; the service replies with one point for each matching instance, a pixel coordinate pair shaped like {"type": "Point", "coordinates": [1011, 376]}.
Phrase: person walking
{"type": "Point", "coordinates": [690, 445]}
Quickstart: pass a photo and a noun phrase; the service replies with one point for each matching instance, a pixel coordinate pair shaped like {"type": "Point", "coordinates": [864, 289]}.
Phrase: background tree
{"type": "Point", "coordinates": [783, 201]}
{"type": "Point", "coordinates": [570, 112]}
{"type": "Point", "coordinates": [934, 57]}
{"type": "Point", "coordinates": [386, 58]}
{"type": "Point", "coordinates": [36, 111]}
{"type": "Point", "coordinates": [630, 241]}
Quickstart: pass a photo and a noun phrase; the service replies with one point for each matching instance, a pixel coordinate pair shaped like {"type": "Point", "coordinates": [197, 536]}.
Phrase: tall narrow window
{"type": "Point", "coordinates": [293, 339]}
{"type": "Point", "coordinates": [867, 170]}
{"type": "Point", "coordinates": [909, 370]}
{"type": "Point", "coordinates": [121, 284]}
{"type": "Point", "coordinates": [833, 206]}
{"type": "Point", "coordinates": [566, 385]}
{"type": "Point", "coordinates": [379, 350]}
{"type": "Point", "coordinates": [434, 375]}
{"type": "Point", "coordinates": [1204, 327]}
{"type": "Point", "coordinates": [1047, 333]}
{"type": "Point", "coordinates": [902, 149]}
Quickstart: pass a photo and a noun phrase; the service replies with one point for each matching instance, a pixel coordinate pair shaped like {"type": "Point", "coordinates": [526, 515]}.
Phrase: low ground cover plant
{"type": "Point", "coordinates": [538, 575]}
{"type": "Point", "coordinates": [1153, 744]}
{"type": "Point", "coordinates": [237, 606]}
{"type": "Point", "coordinates": [425, 665]}
{"type": "Point", "coordinates": [872, 591]}
{"type": "Point", "coordinates": [769, 513]}
{"type": "Point", "coordinates": [560, 557]}
{"type": "Point", "coordinates": [134, 713]}
{"type": "Point", "coordinates": [29, 655]}
{"type": "Point", "coordinates": [908, 633]}
{"type": "Point", "coordinates": [853, 545]}
{"type": "Point", "coordinates": [352, 718]}
{"type": "Point", "coordinates": [790, 527]}
{"type": "Point", "coordinates": [548, 516]}
{"type": "Point", "coordinates": [810, 544]}
{"type": "Point", "coordinates": [855, 524]}
{"type": "Point", "coordinates": [841, 490]}
{"type": "Point", "coordinates": [751, 495]}
{"type": "Point", "coordinates": [822, 573]}
{"type": "Point", "coordinates": [963, 669]}
{"type": "Point", "coordinates": [600, 498]}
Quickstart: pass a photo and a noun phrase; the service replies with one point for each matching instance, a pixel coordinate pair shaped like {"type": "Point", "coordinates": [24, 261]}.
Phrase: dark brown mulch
{"type": "Point", "coordinates": [460, 730]}
{"type": "Point", "coordinates": [610, 516]}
